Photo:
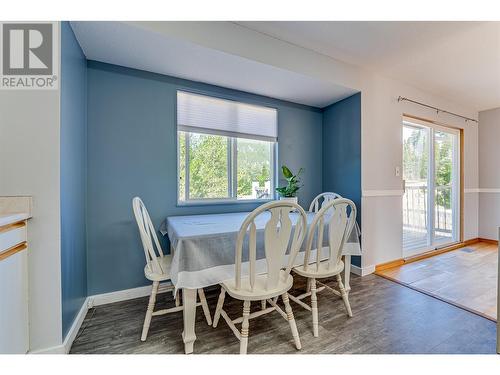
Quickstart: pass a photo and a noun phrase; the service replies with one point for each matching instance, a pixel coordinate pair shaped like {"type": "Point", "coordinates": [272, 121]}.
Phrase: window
{"type": "Point", "coordinates": [226, 149]}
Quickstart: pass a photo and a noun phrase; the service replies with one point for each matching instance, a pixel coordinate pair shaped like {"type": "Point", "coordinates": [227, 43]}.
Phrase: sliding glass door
{"type": "Point", "coordinates": [431, 173]}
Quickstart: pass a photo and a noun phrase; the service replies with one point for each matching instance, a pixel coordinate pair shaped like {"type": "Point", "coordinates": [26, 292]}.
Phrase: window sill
{"type": "Point", "coordinates": [216, 202]}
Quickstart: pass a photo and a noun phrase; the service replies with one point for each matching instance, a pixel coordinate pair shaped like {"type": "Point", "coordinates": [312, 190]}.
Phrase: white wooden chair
{"type": "Point", "coordinates": [322, 199]}
{"type": "Point", "coordinates": [157, 268]}
{"type": "Point", "coordinates": [315, 206]}
{"type": "Point", "coordinates": [277, 281]}
{"type": "Point", "coordinates": [327, 263]}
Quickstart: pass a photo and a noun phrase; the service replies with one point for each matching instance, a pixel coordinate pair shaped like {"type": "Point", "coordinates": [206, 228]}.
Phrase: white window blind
{"type": "Point", "coordinates": [204, 114]}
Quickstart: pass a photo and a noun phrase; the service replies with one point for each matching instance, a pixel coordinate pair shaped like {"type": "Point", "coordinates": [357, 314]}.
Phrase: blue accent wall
{"type": "Point", "coordinates": [73, 176]}
{"type": "Point", "coordinates": [132, 151]}
{"type": "Point", "coordinates": [342, 151]}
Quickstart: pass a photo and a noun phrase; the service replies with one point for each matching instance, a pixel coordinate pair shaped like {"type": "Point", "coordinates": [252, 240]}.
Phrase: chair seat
{"type": "Point", "coordinates": [259, 292]}
{"type": "Point", "coordinates": [165, 263]}
{"type": "Point", "coordinates": [322, 271]}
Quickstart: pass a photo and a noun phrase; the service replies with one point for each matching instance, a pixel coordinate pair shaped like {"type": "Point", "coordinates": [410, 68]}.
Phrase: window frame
{"type": "Point", "coordinates": [232, 156]}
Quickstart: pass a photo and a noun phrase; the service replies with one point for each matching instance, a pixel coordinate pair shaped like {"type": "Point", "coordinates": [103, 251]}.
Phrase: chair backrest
{"type": "Point", "coordinates": [277, 234]}
{"type": "Point", "coordinates": [339, 216]}
{"type": "Point", "coordinates": [321, 199]}
{"type": "Point", "coordinates": [148, 236]}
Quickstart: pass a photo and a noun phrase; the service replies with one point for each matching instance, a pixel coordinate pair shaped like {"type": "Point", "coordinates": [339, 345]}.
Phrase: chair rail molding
{"type": "Point", "coordinates": [489, 190]}
{"type": "Point", "coordinates": [395, 193]}
{"type": "Point", "coordinates": [382, 193]}
{"type": "Point", "coordinates": [471, 190]}
{"type": "Point", "coordinates": [481, 190]}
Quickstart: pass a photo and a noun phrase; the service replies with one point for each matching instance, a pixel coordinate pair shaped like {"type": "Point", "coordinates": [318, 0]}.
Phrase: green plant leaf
{"type": "Point", "coordinates": [286, 172]}
{"type": "Point", "coordinates": [290, 190]}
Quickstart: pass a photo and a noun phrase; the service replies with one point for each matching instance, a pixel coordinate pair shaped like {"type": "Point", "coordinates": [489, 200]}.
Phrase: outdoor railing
{"type": "Point", "coordinates": [415, 209]}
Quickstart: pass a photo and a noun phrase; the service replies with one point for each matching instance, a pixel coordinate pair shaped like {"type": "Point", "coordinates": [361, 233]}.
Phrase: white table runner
{"type": "Point", "coordinates": [205, 246]}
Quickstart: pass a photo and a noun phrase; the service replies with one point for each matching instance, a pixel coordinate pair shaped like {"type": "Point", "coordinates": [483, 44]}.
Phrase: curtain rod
{"type": "Point", "coordinates": [401, 99]}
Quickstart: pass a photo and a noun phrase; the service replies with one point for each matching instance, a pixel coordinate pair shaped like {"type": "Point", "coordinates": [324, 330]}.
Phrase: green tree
{"type": "Point", "coordinates": [443, 150]}
{"type": "Point", "coordinates": [253, 164]}
{"type": "Point", "coordinates": [208, 167]}
{"type": "Point", "coordinates": [415, 156]}
{"type": "Point", "coordinates": [416, 161]}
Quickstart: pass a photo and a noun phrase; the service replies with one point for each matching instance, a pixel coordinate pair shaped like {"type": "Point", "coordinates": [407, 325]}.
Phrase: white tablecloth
{"type": "Point", "coordinates": [204, 246]}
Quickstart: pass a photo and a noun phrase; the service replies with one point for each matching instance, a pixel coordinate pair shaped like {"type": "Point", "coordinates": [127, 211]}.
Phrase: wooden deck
{"type": "Point", "coordinates": [415, 239]}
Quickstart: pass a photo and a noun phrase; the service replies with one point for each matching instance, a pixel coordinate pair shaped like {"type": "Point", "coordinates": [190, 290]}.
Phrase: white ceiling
{"type": "Point", "coordinates": [456, 60]}
{"type": "Point", "coordinates": [127, 45]}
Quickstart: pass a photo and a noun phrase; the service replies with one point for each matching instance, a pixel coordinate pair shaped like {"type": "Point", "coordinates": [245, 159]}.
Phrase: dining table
{"type": "Point", "coordinates": [203, 249]}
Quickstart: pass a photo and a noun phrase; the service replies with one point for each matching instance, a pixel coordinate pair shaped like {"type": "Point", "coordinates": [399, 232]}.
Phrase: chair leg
{"type": "Point", "coordinates": [345, 296]}
{"type": "Point", "coordinates": [244, 327]}
{"type": "Point", "coordinates": [291, 320]}
{"type": "Point", "coordinates": [308, 285]}
{"type": "Point", "coordinates": [218, 309]}
{"type": "Point", "coordinates": [314, 307]}
{"type": "Point", "coordinates": [149, 312]}
{"type": "Point", "coordinates": [177, 297]}
{"type": "Point", "coordinates": [263, 304]}
{"type": "Point", "coordinates": [204, 305]}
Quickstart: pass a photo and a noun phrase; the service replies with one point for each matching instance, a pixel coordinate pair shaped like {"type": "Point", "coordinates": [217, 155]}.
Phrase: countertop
{"type": "Point", "coordinates": [6, 219]}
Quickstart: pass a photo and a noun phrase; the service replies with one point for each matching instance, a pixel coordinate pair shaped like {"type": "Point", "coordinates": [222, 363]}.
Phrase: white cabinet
{"type": "Point", "coordinates": [14, 319]}
{"type": "Point", "coordinates": [15, 235]}
{"type": "Point", "coordinates": [14, 335]}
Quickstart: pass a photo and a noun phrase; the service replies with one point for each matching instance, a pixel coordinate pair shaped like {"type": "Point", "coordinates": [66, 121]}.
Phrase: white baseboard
{"type": "Point", "coordinates": [362, 271]}
{"type": "Point", "coordinates": [97, 300]}
{"type": "Point", "coordinates": [65, 347]}
{"type": "Point", "coordinates": [75, 327]}
{"type": "Point", "coordinates": [59, 349]}
{"type": "Point", "coordinates": [124, 295]}
{"type": "Point", "coordinates": [127, 294]}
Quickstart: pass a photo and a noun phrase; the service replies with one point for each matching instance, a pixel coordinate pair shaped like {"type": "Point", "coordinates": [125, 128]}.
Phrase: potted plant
{"type": "Point", "coordinates": [289, 192]}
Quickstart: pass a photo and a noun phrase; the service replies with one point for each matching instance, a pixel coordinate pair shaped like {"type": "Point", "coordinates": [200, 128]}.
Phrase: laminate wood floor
{"type": "Point", "coordinates": [466, 277]}
{"type": "Point", "coordinates": [388, 318]}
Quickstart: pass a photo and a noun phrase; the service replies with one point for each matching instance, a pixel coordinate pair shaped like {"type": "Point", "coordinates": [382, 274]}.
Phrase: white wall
{"type": "Point", "coordinates": [489, 173]}
{"type": "Point", "coordinates": [29, 165]}
{"type": "Point", "coordinates": [382, 152]}
{"type": "Point", "coordinates": [381, 124]}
